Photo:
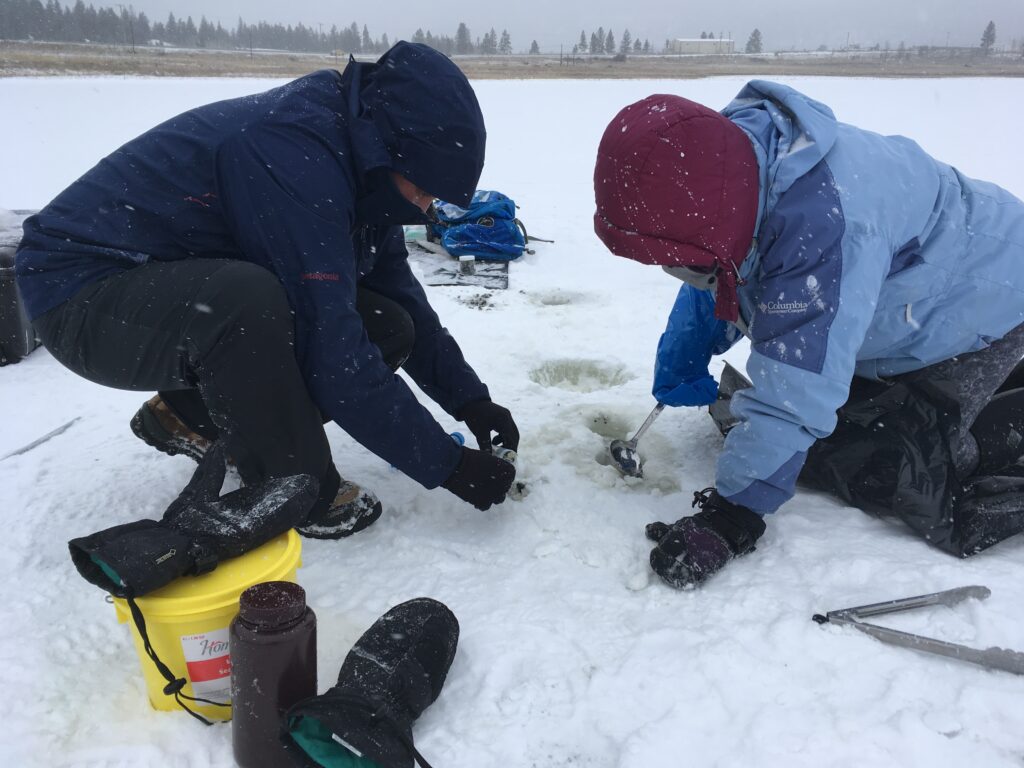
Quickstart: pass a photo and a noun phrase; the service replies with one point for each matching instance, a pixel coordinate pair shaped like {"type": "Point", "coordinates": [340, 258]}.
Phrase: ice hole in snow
{"type": "Point", "coordinates": [580, 375]}
{"type": "Point", "coordinates": [557, 298]}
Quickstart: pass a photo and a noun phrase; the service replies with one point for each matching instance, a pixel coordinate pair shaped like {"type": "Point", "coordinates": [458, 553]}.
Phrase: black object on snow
{"type": "Point", "coordinates": [891, 455]}
{"type": "Point", "coordinates": [17, 337]}
{"type": "Point", "coordinates": [694, 548]}
{"type": "Point", "coordinates": [199, 529]}
{"type": "Point", "coordinates": [391, 675]}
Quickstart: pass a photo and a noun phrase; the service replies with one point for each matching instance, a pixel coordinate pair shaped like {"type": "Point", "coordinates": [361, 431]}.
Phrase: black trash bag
{"type": "Point", "coordinates": [891, 455]}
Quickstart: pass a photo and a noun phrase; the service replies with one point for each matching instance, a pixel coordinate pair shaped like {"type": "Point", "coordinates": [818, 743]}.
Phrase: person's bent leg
{"type": "Point", "coordinates": [1015, 380]}
{"type": "Point", "coordinates": [351, 508]}
{"type": "Point", "coordinates": [223, 328]}
{"type": "Point", "coordinates": [978, 376]}
{"type": "Point", "coordinates": [188, 406]}
{"type": "Point", "coordinates": [999, 431]}
{"type": "Point", "coordinates": [387, 325]}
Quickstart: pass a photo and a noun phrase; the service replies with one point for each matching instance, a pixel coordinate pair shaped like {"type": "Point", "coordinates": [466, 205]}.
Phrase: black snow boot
{"type": "Point", "coordinates": [199, 529]}
{"type": "Point", "coordinates": [391, 675]}
{"type": "Point", "coordinates": [342, 512]}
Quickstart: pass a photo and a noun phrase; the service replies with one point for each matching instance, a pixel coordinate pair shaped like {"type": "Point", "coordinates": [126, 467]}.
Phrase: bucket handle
{"type": "Point", "coordinates": [174, 684]}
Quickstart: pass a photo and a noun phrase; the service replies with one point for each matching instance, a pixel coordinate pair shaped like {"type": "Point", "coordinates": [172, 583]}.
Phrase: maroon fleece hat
{"type": "Point", "coordinates": [676, 184]}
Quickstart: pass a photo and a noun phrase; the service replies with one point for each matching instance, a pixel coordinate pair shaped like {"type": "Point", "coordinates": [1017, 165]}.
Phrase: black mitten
{"type": "Point", "coordinates": [693, 548]}
{"type": "Point", "coordinates": [481, 479]}
{"type": "Point", "coordinates": [393, 673]}
{"type": "Point", "coordinates": [483, 417]}
{"type": "Point", "coordinates": [199, 529]}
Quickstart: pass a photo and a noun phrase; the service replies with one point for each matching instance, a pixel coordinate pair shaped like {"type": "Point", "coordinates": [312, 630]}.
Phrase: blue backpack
{"type": "Point", "coordinates": [488, 229]}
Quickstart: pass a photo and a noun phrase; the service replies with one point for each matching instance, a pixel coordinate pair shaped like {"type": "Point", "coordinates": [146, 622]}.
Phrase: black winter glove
{"type": "Point", "coordinates": [481, 479]}
{"type": "Point", "coordinates": [483, 417]}
{"type": "Point", "coordinates": [393, 673]}
{"type": "Point", "coordinates": [199, 529]}
{"type": "Point", "coordinates": [693, 548]}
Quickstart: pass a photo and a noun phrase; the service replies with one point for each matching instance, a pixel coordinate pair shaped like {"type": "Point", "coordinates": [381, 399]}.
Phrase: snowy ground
{"type": "Point", "coordinates": [571, 654]}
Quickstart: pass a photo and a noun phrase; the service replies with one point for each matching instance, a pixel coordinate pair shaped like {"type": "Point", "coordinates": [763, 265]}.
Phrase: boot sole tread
{"type": "Point", "coordinates": [147, 428]}
{"type": "Point", "coordinates": [339, 532]}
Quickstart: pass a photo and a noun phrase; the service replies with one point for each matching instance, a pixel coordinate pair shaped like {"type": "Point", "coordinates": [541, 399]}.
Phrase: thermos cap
{"type": "Point", "coordinates": [271, 604]}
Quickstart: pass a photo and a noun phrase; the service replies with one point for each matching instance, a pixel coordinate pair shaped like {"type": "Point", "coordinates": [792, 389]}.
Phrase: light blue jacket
{"type": "Point", "coordinates": [870, 258]}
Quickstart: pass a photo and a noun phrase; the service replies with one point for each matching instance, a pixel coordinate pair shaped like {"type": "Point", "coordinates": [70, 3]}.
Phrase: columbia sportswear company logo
{"type": "Point", "coordinates": [784, 307]}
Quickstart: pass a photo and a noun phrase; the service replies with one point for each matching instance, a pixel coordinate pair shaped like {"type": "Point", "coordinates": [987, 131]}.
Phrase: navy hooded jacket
{"type": "Point", "coordinates": [280, 179]}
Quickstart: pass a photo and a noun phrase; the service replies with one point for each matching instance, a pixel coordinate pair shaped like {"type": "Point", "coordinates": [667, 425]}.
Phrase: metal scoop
{"type": "Point", "coordinates": [624, 454]}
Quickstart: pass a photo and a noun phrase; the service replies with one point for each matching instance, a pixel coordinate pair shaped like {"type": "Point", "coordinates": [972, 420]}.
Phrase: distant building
{"type": "Point", "coordinates": [698, 45]}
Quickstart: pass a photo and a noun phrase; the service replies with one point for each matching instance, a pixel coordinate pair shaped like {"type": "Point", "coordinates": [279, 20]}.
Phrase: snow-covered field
{"type": "Point", "coordinates": [571, 653]}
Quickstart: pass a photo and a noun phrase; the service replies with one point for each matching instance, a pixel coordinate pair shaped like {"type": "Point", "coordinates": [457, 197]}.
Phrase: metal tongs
{"type": "Point", "coordinates": [991, 658]}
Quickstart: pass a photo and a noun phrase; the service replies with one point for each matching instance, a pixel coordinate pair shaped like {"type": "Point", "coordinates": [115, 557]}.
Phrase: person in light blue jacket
{"type": "Point", "coordinates": [843, 256]}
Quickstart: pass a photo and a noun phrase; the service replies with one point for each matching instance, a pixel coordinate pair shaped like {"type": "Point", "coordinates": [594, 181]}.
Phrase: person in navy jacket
{"type": "Point", "coordinates": [847, 259]}
{"type": "Point", "coordinates": [246, 260]}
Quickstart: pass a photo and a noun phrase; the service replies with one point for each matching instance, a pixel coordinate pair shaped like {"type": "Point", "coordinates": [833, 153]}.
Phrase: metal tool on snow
{"type": "Point", "coordinates": [39, 441]}
{"type": "Point", "coordinates": [991, 658]}
{"type": "Point", "coordinates": [623, 452]}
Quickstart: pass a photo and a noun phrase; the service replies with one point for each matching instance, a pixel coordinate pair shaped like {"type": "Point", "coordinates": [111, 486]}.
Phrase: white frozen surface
{"type": "Point", "coordinates": [571, 653]}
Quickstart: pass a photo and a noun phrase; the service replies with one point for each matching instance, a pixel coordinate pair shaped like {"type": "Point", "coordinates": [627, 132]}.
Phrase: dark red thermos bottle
{"type": "Point", "coordinates": [273, 665]}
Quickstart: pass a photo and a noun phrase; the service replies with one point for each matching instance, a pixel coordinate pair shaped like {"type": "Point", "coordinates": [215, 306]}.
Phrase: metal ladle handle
{"type": "Point", "coordinates": [647, 422]}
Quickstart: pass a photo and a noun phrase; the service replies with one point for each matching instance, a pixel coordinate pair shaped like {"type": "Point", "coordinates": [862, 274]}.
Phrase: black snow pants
{"type": "Point", "coordinates": [216, 339]}
{"type": "Point", "coordinates": [937, 448]}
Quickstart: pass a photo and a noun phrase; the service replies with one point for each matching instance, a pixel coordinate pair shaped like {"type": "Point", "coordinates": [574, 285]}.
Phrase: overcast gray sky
{"type": "Point", "coordinates": [783, 23]}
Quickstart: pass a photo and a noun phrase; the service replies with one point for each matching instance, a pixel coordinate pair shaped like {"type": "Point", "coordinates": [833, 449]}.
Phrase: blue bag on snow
{"type": "Point", "coordinates": [488, 229]}
{"type": "Point", "coordinates": [693, 334]}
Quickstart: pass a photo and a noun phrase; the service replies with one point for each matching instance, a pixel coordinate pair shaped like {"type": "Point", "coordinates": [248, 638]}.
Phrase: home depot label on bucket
{"type": "Point", "coordinates": [208, 664]}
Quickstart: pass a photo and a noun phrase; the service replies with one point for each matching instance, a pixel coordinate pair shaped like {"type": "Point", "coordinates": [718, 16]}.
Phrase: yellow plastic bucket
{"type": "Point", "coordinates": [187, 622]}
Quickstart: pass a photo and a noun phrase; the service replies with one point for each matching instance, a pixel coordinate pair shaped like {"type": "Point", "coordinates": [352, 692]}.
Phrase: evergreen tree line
{"type": "Point", "coordinates": [21, 19]}
{"type": "Point", "coordinates": [31, 19]}
{"type": "Point", "coordinates": [603, 43]}
{"type": "Point", "coordinates": [52, 21]}
{"type": "Point", "coordinates": [490, 45]}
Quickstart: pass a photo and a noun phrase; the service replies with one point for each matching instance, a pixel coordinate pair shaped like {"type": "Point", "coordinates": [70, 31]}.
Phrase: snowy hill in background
{"type": "Point", "coordinates": [572, 654]}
